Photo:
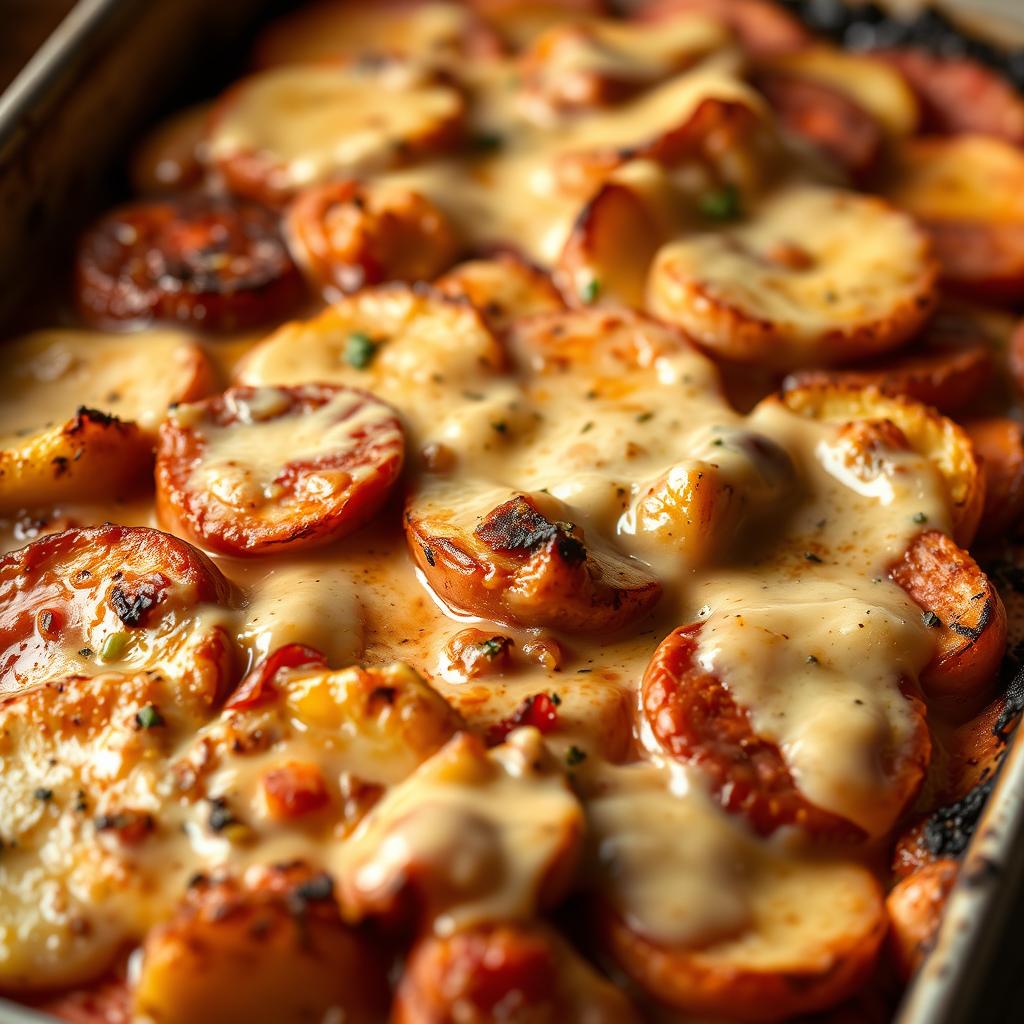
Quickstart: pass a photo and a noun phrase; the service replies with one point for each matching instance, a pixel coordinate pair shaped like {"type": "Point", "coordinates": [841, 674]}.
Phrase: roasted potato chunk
{"type": "Point", "coordinates": [915, 907]}
{"type": "Point", "coordinates": [515, 973]}
{"type": "Point", "coordinates": [968, 618]}
{"type": "Point", "coordinates": [803, 280]}
{"type": "Point", "coordinates": [297, 125]}
{"type": "Point", "coordinates": [948, 367]}
{"type": "Point", "coordinates": [272, 942]}
{"type": "Point", "coordinates": [999, 445]}
{"type": "Point", "coordinates": [346, 235]}
{"type": "Point", "coordinates": [503, 288]}
{"type": "Point", "coordinates": [472, 835]}
{"type": "Point", "coordinates": [911, 425]}
{"type": "Point", "coordinates": [967, 192]}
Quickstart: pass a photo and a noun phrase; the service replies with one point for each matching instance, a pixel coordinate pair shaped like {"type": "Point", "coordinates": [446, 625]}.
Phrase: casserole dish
{"type": "Point", "coordinates": [58, 91]}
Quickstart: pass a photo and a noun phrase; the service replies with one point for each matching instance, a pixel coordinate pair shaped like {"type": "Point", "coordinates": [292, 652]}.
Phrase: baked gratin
{"type": "Point", "coordinates": [517, 524]}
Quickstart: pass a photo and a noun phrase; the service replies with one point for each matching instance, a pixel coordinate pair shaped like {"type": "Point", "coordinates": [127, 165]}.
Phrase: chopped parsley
{"type": "Point", "coordinates": [575, 756]}
{"type": "Point", "coordinates": [931, 620]}
{"type": "Point", "coordinates": [720, 203]}
{"type": "Point", "coordinates": [920, 517]}
{"type": "Point", "coordinates": [360, 349]}
{"type": "Point", "coordinates": [493, 646]}
{"type": "Point", "coordinates": [555, 699]}
{"type": "Point", "coordinates": [114, 646]}
{"type": "Point", "coordinates": [44, 794]}
{"type": "Point", "coordinates": [149, 717]}
{"type": "Point", "coordinates": [590, 291]}
{"type": "Point", "coordinates": [810, 556]}
{"type": "Point", "coordinates": [487, 142]}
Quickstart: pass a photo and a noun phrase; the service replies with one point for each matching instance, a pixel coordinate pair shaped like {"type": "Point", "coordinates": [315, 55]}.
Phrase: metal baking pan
{"type": "Point", "coordinates": [109, 68]}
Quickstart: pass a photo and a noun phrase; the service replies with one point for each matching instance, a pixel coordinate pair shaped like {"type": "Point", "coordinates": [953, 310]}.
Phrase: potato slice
{"type": "Point", "coordinates": [517, 563]}
{"type": "Point", "coordinates": [723, 926]}
{"type": "Point", "coordinates": [331, 29]}
{"type": "Point", "coordinates": [959, 95]}
{"type": "Point", "coordinates": [59, 440]}
{"type": "Point", "coordinates": [346, 235]}
{"type": "Point", "coordinates": [297, 125]}
{"type": "Point", "coordinates": [593, 63]}
{"type": "Point", "coordinates": [999, 445]}
{"type": "Point", "coordinates": [813, 276]}
{"type": "Point", "coordinates": [762, 27]}
{"type": "Point", "coordinates": [968, 618]}
{"type": "Point", "coordinates": [607, 254]}
{"type": "Point", "coordinates": [915, 907]}
{"type": "Point", "coordinates": [503, 288]}
{"type": "Point", "coordinates": [383, 339]}
{"type": "Point", "coordinates": [948, 367]}
{"type": "Point", "coordinates": [273, 942]}
{"type": "Point", "coordinates": [968, 194]}
{"type": "Point", "coordinates": [470, 976]}
{"type": "Point", "coordinates": [867, 80]}
{"type": "Point", "coordinates": [934, 436]}
{"type": "Point", "coordinates": [471, 836]}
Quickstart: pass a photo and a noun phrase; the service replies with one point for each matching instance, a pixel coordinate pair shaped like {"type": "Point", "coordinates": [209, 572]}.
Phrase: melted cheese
{"type": "Point", "coordinates": [242, 461]}
{"type": "Point", "coordinates": [641, 451]}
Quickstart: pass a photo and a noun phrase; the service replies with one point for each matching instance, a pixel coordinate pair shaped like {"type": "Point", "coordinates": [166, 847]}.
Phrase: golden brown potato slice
{"type": "Point", "coordinates": [922, 429]}
{"type": "Point", "coordinates": [298, 125]}
{"type": "Point", "coordinates": [346, 235]}
{"type": "Point", "coordinates": [503, 288]}
{"type": "Point", "coordinates": [172, 156]}
{"type": "Point", "coordinates": [84, 762]}
{"type": "Point", "coordinates": [472, 835]}
{"type": "Point", "coordinates": [948, 367]}
{"type": "Point", "coordinates": [723, 925]}
{"type": "Point", "coordinates": [866, 79]}
{"type": "Point", "coordinates": [614, 238]}
{"type": "Point", "coordinates": [968, 194]}
{"type": "Point", "coordinates": [332, 29]}
{"type": "Point", "coordinates": [958, 95]}
{"type": "Point", "coordinates": [79, 410]}
{"type": "Point", "coordinates": [585, 64]}
{"type": "Point", "coordinates": [962, 606]}
{"type": "Point", "coordinates": [269, 946]}
{"type": "Point", "coordinates": [999, 445]}
{"type": "Point", "coordinates": [812, 276]}
{"type": "Point", "coordinates": [522, 563]}
{"type": "Point", "coordinates": [472, 976]}
{"type": "Point", "coordinates": [915, 907]}
{"type": "Point", "coordinates": [763, 28]}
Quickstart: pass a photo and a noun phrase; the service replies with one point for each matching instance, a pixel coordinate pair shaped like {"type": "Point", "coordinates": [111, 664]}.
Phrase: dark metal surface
{"type": "Point", "coordinates": [107, 70]}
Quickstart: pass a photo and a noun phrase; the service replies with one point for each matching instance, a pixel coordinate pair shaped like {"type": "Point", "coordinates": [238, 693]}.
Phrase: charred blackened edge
{"type": "Point", "coordinates": [869, 26]}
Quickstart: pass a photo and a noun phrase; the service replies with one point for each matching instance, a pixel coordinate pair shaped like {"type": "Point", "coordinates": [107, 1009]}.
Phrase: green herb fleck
{"type": "Point", "coordinates": [589, 425]}
{"type": "Point", "coordinates": [589, 291]}
{"type": "Point", "coordinates": [501, 427]}
{"type": "Point", "coordinates": [360, 349]}
{"type": "Point", "coordinates": [555, 699]}
{"type": "Point", "coordinates": [575, 756]}
{"type": "Point", "coordinates": [720, 203]}
{"type": "Point", "coordinates": [810, 556]}
{"type": "Point", "coordinates": [44, 794]}
{"type": "Point", "coordinates": [644, 417]}
{"type": "Point", "coordinates": [114, 646]}
{"type": "Point", "coordinates": [149, 717]}
{"type": "Point", "coordinates": [920, 517]}
{"type": "Point", "coordinates": [493, 646]}
{"type": "Point", "coordinates": [85, 652]}
{"type": "Point", "coordinates": [487, 142]}
{"type": "Point", "coordinates": [931, 620]}
{"type": "Point", "coordinates": [811, 659]}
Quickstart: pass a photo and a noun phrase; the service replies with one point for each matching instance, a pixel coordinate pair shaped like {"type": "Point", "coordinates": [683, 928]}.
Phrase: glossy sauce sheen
{"type": "Point", "coordinates": [789, 581]}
